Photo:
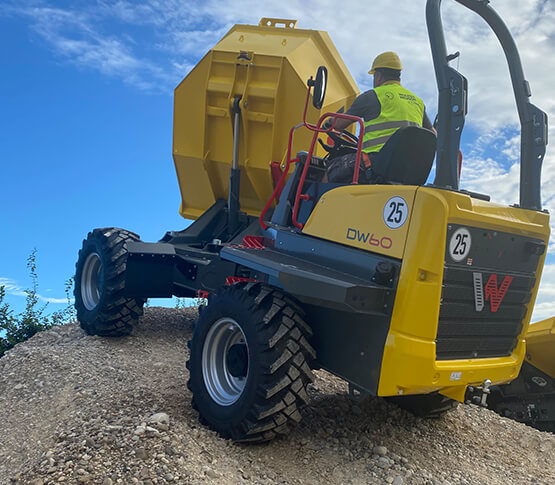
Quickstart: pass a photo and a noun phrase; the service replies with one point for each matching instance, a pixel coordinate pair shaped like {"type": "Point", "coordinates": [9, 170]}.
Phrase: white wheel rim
{"type": "Point", "coordinates": [224, 388]}
{"type": "Point", "coordinates": [90, 281]}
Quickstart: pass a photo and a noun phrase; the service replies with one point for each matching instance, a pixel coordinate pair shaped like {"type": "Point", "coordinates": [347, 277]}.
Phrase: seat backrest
{"type": "Point", "coordinates": [407, 157]}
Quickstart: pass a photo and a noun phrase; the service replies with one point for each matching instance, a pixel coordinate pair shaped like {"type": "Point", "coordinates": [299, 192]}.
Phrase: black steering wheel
{"type": "Point", "coordinates": [342, 139]}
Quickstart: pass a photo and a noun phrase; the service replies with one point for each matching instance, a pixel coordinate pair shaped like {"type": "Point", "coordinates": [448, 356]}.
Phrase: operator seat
{"type": "Point", "coordinates": [406, 158]}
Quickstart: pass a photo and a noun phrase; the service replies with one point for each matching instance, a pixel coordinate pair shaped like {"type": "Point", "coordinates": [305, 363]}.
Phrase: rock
{"type": "Point", "coordinates": [151, 431]}
{"type": "Point", "coordinates": [209, 472]}
{"type": "Point", "coordinates": [160, 420]}
{"type": "Point", "coordinates": [90, 442]}
{"type": "Point", "coordinates": [383, 462]}
{"type": "Point", "coordinates": [86, 478]}
{"type": "Point", "coordinates": [107, 481]}
{"type": "Point", "coordinates": [17, 387]}
{"type": "Point", "coordinates": [170, 450]}
{"type": "Point", "coordinates": [380, 450]}
{"type": "Point", "coordinates": [140, 430]}
{"type": "Point", "coordinates": [398, 480]}
{"type": "Point", "coordinates": [141, 453]}
{"type": "Point", "coordinates": [113, 427]}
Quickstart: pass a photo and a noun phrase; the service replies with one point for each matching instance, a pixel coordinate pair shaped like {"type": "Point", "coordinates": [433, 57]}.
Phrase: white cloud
{"type": "Point", "coordinates": [11, 287]}
{"type": "Point", "coordinates": [14, 289]}
{"type": "Point", "coordinates": [77, 37]}
{"type": "Point", "coordinates": [55, 300]}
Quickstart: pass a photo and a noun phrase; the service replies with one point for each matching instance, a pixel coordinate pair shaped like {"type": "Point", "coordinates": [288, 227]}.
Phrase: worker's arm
{"type": "Point", "coordinates": [340, 123]}
{"type": "Point", "coordinates": [365, 106]}
{"type": "Point", "coordinates": [426, 123]}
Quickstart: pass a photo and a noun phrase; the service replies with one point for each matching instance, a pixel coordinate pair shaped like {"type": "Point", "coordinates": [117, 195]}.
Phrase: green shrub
{"type": "Point", "coordinates": [22, 326]}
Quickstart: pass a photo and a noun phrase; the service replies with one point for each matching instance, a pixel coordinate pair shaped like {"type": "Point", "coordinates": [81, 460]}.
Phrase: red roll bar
{"type": "Point", "coordinates": [317, 129]}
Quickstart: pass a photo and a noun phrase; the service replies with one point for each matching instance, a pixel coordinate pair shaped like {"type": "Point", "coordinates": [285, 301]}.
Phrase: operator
{"type": "Point", "coordinates": [384, 109]}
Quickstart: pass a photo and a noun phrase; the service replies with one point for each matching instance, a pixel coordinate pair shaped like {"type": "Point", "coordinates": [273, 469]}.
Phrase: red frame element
{"type": "Point", "coordinates": [275, 170]}
{"type": "Point", "coordinates": [231, 280]}
{"type": "Point", "coordinates": [317, 129]}
{"type": "Point", "coordinates": [253, 242]}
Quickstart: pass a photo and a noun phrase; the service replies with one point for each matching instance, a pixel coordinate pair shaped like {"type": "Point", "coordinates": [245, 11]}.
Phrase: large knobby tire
{"type": "Point", "coordinates": [249, 364]}
{"type": "Point", "coordinates": [102, 308]}
{"type": "Point", "coordinates": [432, 405]}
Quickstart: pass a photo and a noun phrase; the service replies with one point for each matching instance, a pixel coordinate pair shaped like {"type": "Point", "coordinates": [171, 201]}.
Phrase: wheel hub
{"type": "Point", "coordinates": [237, 360]}
{"type": "Point", "coordinates": [91, 281]}
{"type": "Point", "coordinates": [225, 361]}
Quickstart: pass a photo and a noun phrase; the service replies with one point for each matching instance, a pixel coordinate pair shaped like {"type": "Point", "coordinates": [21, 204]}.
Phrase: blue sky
{"type": "Point", "coordinates": [86, 103]}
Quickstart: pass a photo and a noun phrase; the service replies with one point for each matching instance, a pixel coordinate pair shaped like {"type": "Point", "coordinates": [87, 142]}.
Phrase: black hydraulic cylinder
{"type": "Point", "coordinates": [234, 207]}
{"type": "Point", "coordinates": [235, 173]}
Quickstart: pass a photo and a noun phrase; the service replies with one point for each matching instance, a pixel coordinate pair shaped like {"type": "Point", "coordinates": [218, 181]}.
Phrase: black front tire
{"type": "Point", "coordinates": [249, 364]}
{"type": "Point", "coordinates": [102, 308]}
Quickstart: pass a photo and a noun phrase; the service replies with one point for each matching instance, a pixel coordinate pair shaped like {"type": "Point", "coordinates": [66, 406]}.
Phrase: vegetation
{"type": "Point", "coordinates": [16, 328]}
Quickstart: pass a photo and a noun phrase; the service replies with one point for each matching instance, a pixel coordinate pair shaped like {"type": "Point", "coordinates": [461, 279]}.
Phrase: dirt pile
{"type": "Point", "coordinates": [80, 409]}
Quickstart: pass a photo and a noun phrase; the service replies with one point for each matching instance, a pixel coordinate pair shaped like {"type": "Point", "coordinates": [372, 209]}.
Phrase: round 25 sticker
{"type": "Point", "coordinates": [459, 245]}
{"type": "Point", "coordinates": [395, 212]}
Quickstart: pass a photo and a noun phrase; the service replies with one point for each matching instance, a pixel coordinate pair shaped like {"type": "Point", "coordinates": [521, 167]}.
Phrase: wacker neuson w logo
{"type": "Point", "coordinates": [490, 292]}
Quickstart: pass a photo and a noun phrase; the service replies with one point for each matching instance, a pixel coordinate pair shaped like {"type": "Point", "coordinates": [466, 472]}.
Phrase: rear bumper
{"type": "Point", "coordinates": [413, 369]}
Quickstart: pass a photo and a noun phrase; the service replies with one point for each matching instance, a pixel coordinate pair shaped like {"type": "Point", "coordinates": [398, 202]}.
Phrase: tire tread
{"type": "Point", "coordinates": [118, 314]}
{"type": "Point", "coordinates": [284, 360]}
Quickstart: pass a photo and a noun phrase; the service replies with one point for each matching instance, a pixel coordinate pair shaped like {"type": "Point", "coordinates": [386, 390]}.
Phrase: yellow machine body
{"type": "Point", "coordinates": [540, 346]}
{"type": "Point", "coordinates": [267, 67]}
{"type": "Point", "coordinates": [409, 364]}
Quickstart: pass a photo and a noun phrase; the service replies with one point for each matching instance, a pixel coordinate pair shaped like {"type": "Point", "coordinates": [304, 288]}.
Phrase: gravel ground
{"type": "Point", "coordinates": [80, 409]}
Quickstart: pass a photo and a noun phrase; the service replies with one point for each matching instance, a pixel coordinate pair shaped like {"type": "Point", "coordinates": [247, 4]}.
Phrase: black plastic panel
{"type": "Point", "coordinates": [477, 322]}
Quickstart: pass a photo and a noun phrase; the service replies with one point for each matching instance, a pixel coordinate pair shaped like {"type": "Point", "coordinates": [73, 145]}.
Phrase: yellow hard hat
{"type": "Point", "coordinates": [389, 60]}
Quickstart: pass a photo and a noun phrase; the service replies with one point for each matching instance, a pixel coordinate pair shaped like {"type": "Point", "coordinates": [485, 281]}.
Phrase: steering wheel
{"type": "Point", "coordinates": [343, 139]}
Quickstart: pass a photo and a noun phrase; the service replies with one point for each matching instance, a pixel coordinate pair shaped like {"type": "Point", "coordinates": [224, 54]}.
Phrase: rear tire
{"type": "Point", "coordinates": [102, 308]}
{"type": "Point", "coordinates": [428, 406]}
{"type": "Point", "coordinates": [249, 363]}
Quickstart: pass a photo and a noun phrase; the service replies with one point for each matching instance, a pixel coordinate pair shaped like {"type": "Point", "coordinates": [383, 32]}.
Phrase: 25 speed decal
{"type": "Point", "coordinates": [395, 212]}
{"type": "Point", "coordinates": [459, 245]}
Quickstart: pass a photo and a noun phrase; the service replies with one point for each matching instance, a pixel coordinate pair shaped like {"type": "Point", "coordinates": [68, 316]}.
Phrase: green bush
{"type": "Point", "coordinates": [22, 326]}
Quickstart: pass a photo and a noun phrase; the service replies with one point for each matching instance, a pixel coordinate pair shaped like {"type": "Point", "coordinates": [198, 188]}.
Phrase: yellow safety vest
{"type": "Point", "coordinates": [399, 108]}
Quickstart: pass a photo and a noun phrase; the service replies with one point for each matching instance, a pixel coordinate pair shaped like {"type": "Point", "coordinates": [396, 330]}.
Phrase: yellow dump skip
{"type": "Point", "coordinates": [540, 346]}
{"type": "Point", "coordinates": [267, 66]}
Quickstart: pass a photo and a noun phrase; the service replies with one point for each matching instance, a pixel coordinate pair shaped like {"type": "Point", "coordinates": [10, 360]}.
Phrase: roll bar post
{"type": "Point", "coordinates": [452, 87]}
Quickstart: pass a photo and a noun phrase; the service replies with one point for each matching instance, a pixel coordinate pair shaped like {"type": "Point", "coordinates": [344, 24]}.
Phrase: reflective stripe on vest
{"type": "Point", "coordinates": [399, 108]}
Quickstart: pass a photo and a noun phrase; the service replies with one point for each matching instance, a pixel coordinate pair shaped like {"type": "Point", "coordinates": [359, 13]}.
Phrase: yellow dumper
{"type": "Point", "coordinates": [420, 292]}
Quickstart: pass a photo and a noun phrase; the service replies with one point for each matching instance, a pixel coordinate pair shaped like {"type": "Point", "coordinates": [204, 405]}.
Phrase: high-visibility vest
{"type": "Point", "coordinates": [399, 108]}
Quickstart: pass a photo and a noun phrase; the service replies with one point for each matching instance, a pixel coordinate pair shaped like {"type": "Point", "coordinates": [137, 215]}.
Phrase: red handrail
{"type": "Point", "coordinates": [282, 178]}
{"type": "Point", "coordinates": [317, 130]}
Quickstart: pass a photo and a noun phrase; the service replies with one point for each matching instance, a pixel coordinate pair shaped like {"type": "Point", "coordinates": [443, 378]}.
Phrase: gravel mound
{"type": "Point", "coordinates": [80, 409]}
